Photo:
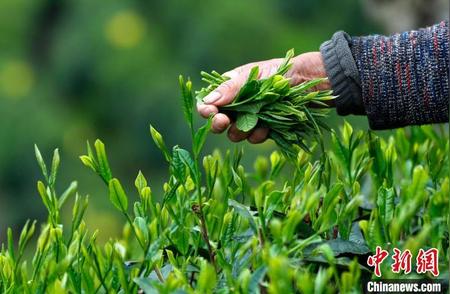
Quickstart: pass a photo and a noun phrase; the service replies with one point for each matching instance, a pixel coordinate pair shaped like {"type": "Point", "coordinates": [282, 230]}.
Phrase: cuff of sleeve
{"type": "Point", "coordinates": [343, 74]}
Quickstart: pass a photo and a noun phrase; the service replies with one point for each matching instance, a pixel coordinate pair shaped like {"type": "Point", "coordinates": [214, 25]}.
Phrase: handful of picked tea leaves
{"type": "Point", "coordinates": [292, 113]}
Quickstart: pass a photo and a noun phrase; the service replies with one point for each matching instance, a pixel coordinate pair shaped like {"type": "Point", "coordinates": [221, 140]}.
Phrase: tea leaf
{"type": "Point", "coordinates": [187, 160]}
{"type": "Point", "coordinates": [256, 278]}
{"type": "Point", "coordinates": [188, 100]}
{"type": "Point", "coordinates": [177, 166]}
{"type": "Point", "coordinates": [141, 224]}
{"type": "Point", "coordinates": [340, 246]}
{"type": "Point", "coordinates": [243, 212]}
{"type": "Point", "coordinates": [69, 192]}
{"type": "Point", "coordinates": [246, 121]}
{"type": "Point", "coordinates": [11, 244]}
{"type": "Point", "coordinates": [54, 169]}
{"type": "Point", "coordinates": [104, 170]}
{"type": "Point", "coordinates": [87, 161]}
{"type": "Point", "coordinates": [117, 195]}
{"type": "Point", "coordinates": [146, 285]}
{"type": "Point", "coordinates": [200, 137]}
{"type": "Point", "coordinates": [159, 141]}
{"type": "Point", "coordinates": [140, 182]}
{"type": "Point", "coordinates": [41, 162]}
{"type": "Point", "coordinates": [43, 193]}
{"type": "Point", "coordinates": [385, 203]}
{"type": "Point", "coordinates": [207, 278]}
{"type": "Point", "coordinates": [247, 91]}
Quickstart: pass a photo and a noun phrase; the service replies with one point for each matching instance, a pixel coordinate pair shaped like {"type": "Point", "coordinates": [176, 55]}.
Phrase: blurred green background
{"type": "Point", "coordinates": [72, 71]}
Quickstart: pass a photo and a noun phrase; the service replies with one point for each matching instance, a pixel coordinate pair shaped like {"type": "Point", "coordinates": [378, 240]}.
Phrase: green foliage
{"type": "Point", "coordinates": [307, 225]}
{"type": "Point", "coordinates": [291, 113]}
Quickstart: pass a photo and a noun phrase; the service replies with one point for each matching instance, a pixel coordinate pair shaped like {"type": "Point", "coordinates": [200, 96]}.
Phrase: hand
{"type": "Point", "coordinates": [304, 67]}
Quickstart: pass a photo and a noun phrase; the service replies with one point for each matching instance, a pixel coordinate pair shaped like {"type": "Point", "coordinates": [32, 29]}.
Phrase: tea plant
{"type": "Point", "coordinates": [273, 103]}
{"type": "Point", "coordinates": [221, 228]}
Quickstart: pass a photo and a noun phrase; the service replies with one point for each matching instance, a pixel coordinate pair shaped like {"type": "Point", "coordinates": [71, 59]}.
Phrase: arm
{"type": "Point", "coordinates": [397, 81]}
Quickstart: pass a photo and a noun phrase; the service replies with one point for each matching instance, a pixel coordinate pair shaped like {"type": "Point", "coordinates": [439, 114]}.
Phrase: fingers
{"type": "Point", "coordinates": [205, 110]}
{"type": "Point", "coordinates": [268, 70]}
{"type": "Point", "coordinates": [236, 135]}
{"type": "Point", "coordinates": [220, 123]}
{"type": "Point", "coordinates": [225, 93]}
{"type": "Point", "coordinates": [259, 135]}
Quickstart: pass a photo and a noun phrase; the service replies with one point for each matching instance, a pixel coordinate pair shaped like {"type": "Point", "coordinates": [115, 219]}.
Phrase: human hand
{"type": "Point", "coordinates": [304, 67]}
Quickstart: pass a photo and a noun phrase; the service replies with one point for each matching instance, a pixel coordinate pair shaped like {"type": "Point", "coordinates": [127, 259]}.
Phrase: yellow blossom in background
{"type": "Point", "coordinates": [16, 79]}
{"type": "Point", "coordinates": [125, 29]}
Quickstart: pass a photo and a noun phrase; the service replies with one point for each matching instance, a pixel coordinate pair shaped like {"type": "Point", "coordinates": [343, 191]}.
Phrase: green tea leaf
{"type": "Point", "coordinates": [177, 166]}
{"type": "Point", "coordinates": [247, 91]}
{"type": "Point", "coordinates": [54, 169]}
{"type": "Point", "coordinates": [200, 136]}
{"type": "Point", "coordinates": [87, 161]}
{"type": "Point", "coordinates": [207, 278]}
{"type": "Point", "coordinates": [256, 278]}
{"type": "Point", "coordinates": [243, 212]}
{"type": "Point", "coordinates": [188, 100]}
{"type": "Point", "coordinates": [41, 162]}
{"type": "Point", "coordinates": [246, 121]}
{"type": "Point", "coordinates": [340, 246]}
{"type": "Point", "coordinates": [69, 192]}
{"type": "Point", "coordinates": [140, 182]}
{"type": "Point", "coordinates": [385, 203]}
{"type": "Point", "coordinates": [141, 224]}
{"type": "Point", "coordinates": [117, 195]}
{"type": "Point", "coordinates": [254, 107]}
{"type": "Point", "coordinates": [187, 160]}
{"type": "Point", "coordinates": [147, 285]}
{"type": "Point", "coordinates": [11, 244]}
{"type": "Point", "coordinates": [253, 75]}
{"type": "Point", "coordinates": [159, 141]}
{"type": "Point", "coordinates": [104, 170]}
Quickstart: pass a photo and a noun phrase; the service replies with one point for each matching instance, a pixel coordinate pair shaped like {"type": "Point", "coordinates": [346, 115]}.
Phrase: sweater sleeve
{"type": "Point", "coordinates": [396, 81]}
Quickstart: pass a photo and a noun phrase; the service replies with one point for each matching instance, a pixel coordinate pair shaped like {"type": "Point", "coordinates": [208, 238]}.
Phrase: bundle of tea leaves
{"type": "Point", "coordinates": [292, 113]}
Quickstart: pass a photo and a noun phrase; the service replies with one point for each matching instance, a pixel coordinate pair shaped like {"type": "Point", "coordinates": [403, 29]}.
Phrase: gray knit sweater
{"type": "Point", "coordinates": [396, 81]}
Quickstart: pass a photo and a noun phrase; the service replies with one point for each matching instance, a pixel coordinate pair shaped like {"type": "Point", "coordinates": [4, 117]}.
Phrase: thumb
{"type": "Point", "coordinates": [225, 93]}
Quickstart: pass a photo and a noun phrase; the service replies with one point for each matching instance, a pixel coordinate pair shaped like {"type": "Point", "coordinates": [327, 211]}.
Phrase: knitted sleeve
{"type": "Point", "coordinates": [403, 79]}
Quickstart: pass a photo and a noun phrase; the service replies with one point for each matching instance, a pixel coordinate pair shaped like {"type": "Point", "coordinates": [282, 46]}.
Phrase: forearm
{"type": "Point", "coordinates": [398, 80]}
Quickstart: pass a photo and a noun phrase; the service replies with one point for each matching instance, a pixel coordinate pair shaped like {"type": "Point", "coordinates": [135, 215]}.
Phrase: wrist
{"type": "Point", "coordinates": [343, 74]}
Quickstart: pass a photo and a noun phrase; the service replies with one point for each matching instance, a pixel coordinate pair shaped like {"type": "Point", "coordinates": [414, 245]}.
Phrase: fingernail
{"type": "Point", "coordinates": [212, 97]}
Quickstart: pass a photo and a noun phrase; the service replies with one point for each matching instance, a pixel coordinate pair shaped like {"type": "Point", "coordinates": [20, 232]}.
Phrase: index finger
{"type": "Point", "coordinates": [225, 93]}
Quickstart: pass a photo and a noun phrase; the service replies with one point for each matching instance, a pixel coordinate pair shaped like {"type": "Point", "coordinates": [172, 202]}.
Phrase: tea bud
{"type": "Point", "coordinates": [43, 238]}
{"type": "Point", "coordinates": [281, 86]}
{"type": "Point", "coordinates": [244, 280]}
{"type": "Point", "coordinates": [159, 141]}
{"type": "Point", "coordinates": [276, 228]}
{"type": "Point", "coordinates": [126, 231]}
{"type": "Point", "coordinates": [261, 167]}
{"type": "Point", "coordinates": [164, 217]}
{"type": "Point", "coordinates": [277, 78]}
{"type": "Point", "coordinates": [108, 249]}
{"type": "Point", "coordinates": [259, 199]}
{"type": "Point", "coordinates": [120, 249]}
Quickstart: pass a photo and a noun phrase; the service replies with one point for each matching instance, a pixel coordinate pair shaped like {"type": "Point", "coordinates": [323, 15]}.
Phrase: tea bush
{"type": "Point", "coordinates": [289, 225]}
